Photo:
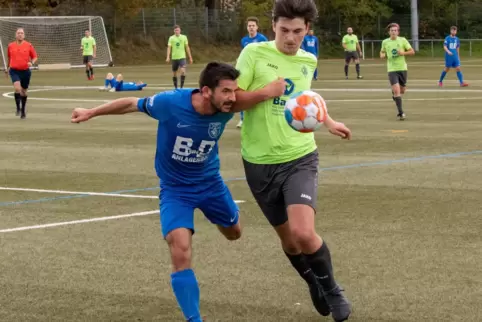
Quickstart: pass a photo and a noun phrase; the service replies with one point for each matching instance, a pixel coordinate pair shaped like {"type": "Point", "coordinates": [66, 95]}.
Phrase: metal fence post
{"type": "Point", "coordinates": [174, 15]}
{"type": "Point", "coordinates": [431, 42]}
{"type": "Point", "coordinates": [470, 48]}
{"type": "Point", "coordinates": [144, 23]}
{"type": "Point", "coordinates": [206, 22]}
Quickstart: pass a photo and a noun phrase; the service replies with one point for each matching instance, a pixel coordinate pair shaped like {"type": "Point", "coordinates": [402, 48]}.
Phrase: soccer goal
{"type": "Point", "coordinates": [57, 39]}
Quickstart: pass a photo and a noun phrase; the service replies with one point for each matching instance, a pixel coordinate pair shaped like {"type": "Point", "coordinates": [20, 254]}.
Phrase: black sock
{"type": "Point", "coordinates": [183, 78]}
{"type": "Point", "coordinates": [17, 101]}
{"type": "Point", "coordinates": [174, 81]}
{"type": "Point", "coordinates": [346, 70]}
{"type": "Point", "coordinates": [398, 102]}
{"type": "Point", "coordinates": [301, 265]}
{"type": "Point", "coordinates": [92, 71]}
{"type": "Point", "coordinates": [88, 73]}
{"type": "Point", "coordinates": [357, 67]}
{"type": "Point", "coordinates": [320, 263]}
{"type": "Point", "coordinates": [24, 103]}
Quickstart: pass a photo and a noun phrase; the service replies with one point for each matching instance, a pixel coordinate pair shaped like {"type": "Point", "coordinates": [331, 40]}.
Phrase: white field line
{"type": "Point", "coordinates": [79, 193]}
{"type": "Point", "coordinates": [82, 221]}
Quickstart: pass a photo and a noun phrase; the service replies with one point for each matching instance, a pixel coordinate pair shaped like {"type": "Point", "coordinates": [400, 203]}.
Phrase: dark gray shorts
{"type": "Point", "coordinates": [178, 63]}
{"type": "Point", "coordinates": [276, 186]}
{"type": "Point", "coordinates": [349, 55]}
{"type": "Point", "coordinates": [87, 59]}
{"type": "Point", "coordinates": [398, 78]}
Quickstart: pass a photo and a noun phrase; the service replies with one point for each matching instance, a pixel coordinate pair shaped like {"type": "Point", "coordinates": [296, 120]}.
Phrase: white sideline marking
{"type": "Point", "coordinates": [83, 221]}
{"type": "Point", "coordinates": [80, 193]}
{"type": "Point", "coordinates": [381, 90]}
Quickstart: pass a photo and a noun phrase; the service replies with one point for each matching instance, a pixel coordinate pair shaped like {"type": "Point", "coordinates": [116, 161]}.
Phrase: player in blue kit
{"type": "Point", "coordinates": [310, 44]}
{"type": "Point", "coordinates": [252, 24]}
{"type": "Point", "coordinates": [117, 84]}
{"type": "Point", "coordinates": [452, 57]}
{"type": "Point", "coordinates": [191, 121]}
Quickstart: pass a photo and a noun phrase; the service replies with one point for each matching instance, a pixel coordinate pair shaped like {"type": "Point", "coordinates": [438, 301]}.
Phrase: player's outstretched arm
{"type": "Point", "coordinates": [119, 106]}
{"type": "Point", "coordinates": [246, 100]}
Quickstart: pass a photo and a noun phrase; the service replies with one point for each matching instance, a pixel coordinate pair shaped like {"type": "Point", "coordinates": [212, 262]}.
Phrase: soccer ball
{"type": "Point", "coordinates": [305, 111]}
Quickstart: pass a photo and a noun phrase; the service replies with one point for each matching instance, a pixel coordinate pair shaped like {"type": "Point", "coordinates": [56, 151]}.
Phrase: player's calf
{"type": "Point", "coordinates": [183, 280]}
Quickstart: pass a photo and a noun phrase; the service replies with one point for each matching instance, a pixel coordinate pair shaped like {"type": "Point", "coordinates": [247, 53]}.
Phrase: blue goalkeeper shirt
{"type": "Point", "coordinates": [310, 44]}
{"type": "Point", "coordinates": [452, 43]}
{"type": "Point", "coordinates": [246, 40]}
{"type": "Point", "coordinates": [187, 142]}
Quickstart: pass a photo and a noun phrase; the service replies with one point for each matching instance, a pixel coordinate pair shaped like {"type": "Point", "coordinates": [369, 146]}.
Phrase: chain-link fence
{"type": "Point", "coordinates": [227, 26]}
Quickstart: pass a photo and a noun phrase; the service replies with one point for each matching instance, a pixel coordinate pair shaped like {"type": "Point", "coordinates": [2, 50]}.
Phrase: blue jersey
{"type": "Point", "coordinates": [248, 40]}
{"type": "Point", "coordinates": [187, 150]}
{"type": "Point", "coordinates": [452, 44]}
{"type": "Point", "coordinates": [310, 44]}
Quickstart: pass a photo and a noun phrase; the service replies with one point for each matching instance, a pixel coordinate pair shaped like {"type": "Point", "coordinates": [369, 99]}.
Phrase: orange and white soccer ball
{"type": "Point", "coordinates": [306, 111]}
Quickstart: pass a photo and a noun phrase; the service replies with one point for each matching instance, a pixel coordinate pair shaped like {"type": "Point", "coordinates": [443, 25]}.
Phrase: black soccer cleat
{"type": "Point", "coordinates": [339, 305]}
{"type": "Point", "coordinates": [401, 117]}
{"type": "Point", "coordinates": [318, 299]}
{"type": "Point", "coordinates": [359, 77]}
{"type": "Point", "coordinates": [17, 113]}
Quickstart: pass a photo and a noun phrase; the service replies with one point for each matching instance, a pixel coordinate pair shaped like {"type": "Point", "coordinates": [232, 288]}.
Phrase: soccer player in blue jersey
{"type": "Point", "coordinates": [191, 121]}
{"type": "Point", "coordinates": [117, 84]}
{"type": "Point", "coordinates": [452, 57]}
{"type": "Point", "coordinates": [252, 24]}
{"type": "Point", "coordinates": [310, 44]}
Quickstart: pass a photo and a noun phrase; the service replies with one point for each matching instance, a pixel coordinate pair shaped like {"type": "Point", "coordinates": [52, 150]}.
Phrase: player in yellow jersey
{"type": "Point", "coordinates": [352, 51]}
{"type": "Point", "coordinates": [177, 47]}
{"type": "Point", "coordinates": [394, 49]}
{"type": "Point", "coordinates": [281, 165]}
{"type": "Point", "coordinates": [89, 49]}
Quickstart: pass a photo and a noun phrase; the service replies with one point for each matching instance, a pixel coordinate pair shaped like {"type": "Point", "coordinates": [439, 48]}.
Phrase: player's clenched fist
{"type": "Point", "coordinates": [340, 129]}
{"type": "Point", "coordinates": [80, 115]}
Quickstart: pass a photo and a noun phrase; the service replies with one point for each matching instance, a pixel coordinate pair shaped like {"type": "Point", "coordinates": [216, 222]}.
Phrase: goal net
{"type": "Point", "coordinates": [57, 39]}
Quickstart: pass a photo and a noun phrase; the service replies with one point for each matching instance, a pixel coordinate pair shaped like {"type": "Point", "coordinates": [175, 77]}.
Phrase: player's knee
{"type": "Point", "coordinates": [179, 241]}
{"type": "Point", "coordinates": [231, 233]}
{"type": "Point", "coordinates": [304, 236]}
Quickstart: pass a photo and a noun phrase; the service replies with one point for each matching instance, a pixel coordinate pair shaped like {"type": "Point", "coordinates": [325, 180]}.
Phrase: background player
{"type": "Point", "coordinates": [187, 164]}
{"type": "Point", "coordinates": [452, 57]}
{"type": "Point", "coordinates": [311, 45]}
{"type": "Point", "coordinates": [177, 46]}
{"type": "Point", "coordinates": [281, 165]}
{"type": "Point", "coordinates": [21, 56]}
{"type": "Point", "coordinates": [252, 24]}
{"type": "Point", "coordinates": [352, 51]}
{"type": "Point", "coordinates": [117, 84]}
{"type": "Point", "coordinates": [395, 49]}
{"type": "Point", "coordinates": [89, 51]}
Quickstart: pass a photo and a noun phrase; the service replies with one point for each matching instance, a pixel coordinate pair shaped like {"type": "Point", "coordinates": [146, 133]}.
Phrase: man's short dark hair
{"type": "Point", "coordinates": [453, 28]}
{"type": "Point", "coordinates": [253, 19]}
{"type": "Point", "coordinates": [291, 9]}
{"type": "Point", "coordinates": [215, 72]}
{"type": "Point", "coordinates": [176, 26]}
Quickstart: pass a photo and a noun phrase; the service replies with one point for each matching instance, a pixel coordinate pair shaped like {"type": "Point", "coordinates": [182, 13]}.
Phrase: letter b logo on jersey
{"type": "Point", "coordinates": [183, 150]}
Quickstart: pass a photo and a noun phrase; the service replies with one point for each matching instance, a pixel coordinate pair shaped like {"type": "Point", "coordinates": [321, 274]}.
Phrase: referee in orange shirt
{"type": "Point", "coordinates": [21, 56]}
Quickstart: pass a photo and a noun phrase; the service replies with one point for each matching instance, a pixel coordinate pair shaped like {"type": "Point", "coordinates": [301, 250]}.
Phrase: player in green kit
{"type": "Point", "coordinates": [177, 47]}
{"type": "Point", "coordinates": [281, 165]}
{"type": "Point", "coordinates": [394, 49]}
{"type": "Point", "coordinates": [352, 51]}
{"type": "Point", "coordinates": [89, 49]}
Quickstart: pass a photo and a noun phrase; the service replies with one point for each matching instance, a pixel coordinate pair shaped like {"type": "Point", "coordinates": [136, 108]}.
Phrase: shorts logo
{"type": "Point", "coordinates": [305, 196]}
{"type": "Point", "coordinates": [214, 130]}
{"type": "Point", "coordinates": [290, 86]}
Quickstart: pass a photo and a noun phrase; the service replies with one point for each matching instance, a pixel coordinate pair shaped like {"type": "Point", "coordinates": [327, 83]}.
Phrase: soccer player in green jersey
{"type": "Point", "coordinates": [281, 165]}
{"type": "Point", "coordinates": [177, 46]}
{"type": "Point", "coordinates": [352, 51]}
{"type": "Point", "coordinates": [394, 49]}
{"type": "Point", "coordinates": [89, 49]}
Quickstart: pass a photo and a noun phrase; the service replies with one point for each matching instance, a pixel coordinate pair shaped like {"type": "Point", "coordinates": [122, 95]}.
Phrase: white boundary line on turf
{"type": "Point", "coordinates": [79, 193]}
{"type": "Point", "coordinates": [103, 194]}
{"type": "Point", "coordinates": [382, 90]}
{"type": "Point", "coordinates": [82, 221]}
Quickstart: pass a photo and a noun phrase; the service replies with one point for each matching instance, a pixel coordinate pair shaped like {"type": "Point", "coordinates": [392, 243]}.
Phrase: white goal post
{"type": "Point", "coordinates": [57, 39]}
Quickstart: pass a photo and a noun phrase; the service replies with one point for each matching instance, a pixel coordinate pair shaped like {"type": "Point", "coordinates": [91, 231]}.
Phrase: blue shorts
{"type": "Point", "coordinates": [452, 62]}
{"type": "Point", "coordinates": [177, 209]}
{"type": "Point", "coordinates": [22, 76]}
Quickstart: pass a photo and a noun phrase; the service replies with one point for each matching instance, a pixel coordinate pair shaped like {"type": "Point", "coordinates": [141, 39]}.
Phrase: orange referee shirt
{"type": "Point", "coordinates": [20, 55]}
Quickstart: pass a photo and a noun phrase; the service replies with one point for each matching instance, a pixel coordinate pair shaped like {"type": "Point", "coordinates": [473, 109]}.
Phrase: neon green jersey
{"type": "Point", "coordinates": [178, 46]}
{"type": "Point", "coordinates": [88, 44]}
{"type": "Point", "coordinates": [390, 47]}
{"type": "Point", "coordinates": [266, 137]}
{"type": "Point", "coordinates": [350, 42]}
